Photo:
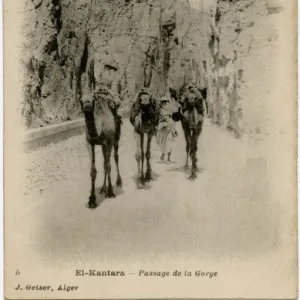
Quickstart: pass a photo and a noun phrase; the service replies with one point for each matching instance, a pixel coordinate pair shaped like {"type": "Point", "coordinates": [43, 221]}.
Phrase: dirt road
{"type": "Point", "coordinates": [217, 215]}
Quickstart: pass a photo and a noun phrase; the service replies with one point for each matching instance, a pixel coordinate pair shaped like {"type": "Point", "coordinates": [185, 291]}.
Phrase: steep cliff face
{"type": "Point", "coordinates": [244, 49]}
{"type": "Point", "coordinates": [54, 44]}
{"type": "Point", "coordinates": [127, 44]}
{"type": "Point", "coordinates": [123, 44]}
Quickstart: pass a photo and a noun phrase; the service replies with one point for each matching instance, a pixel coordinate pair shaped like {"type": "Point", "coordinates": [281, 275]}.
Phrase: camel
{"type": "Point", "coordinates": [144, 117]}
{"type": "Point", "coordinates": [191, 116]}
{"type": "Point", "coordinates": [102, 129]}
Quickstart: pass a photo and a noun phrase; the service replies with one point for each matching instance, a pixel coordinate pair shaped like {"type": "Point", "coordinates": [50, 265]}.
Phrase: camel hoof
{"type": "Point", "coordinates": [192, 177]}
{"type": "Point", "coordinates": [92, 205]}
{"type": "Point", "coordinates": [110, 194]}
{"type": "Point", "coordinates": [141, 181]}
{"type": "Point", "coordinates": [119, 182]}
{"type": "Point", "coordinates": [148, 177]}
{"type": "Point", "coordinates": [103, 190]}
{"type": "Point", "coordinates": [92, 202]}
{"type": "Point", "coordinates": [140, 185]}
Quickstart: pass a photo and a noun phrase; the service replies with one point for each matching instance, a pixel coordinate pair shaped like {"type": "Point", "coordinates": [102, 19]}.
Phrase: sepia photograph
{"type": "Point", "coordinates": [150, 149]}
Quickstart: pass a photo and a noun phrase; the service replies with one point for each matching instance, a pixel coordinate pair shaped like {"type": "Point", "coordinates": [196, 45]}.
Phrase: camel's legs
{"type": "Point", "coordinates": [198, 133]}
{"type": "Point", "coordinates": [104, 186]}
{"type": "Point", "coordinates": [138, 153]}
{"type": "Point", "coordinates": [148, 175]}
{"type": "Point", "coordinates": [193, 153]}
{"type": "Point", "coordinates": [139, 156]}
{"type": "Point", "coordinates": [93, 174]}
{"type": "Point", "coordinates": [195, 134]}
{"type": "Point", "coordinates": [110, 192]}
{"type": "Point", "coordinates": [116, 152]}
{"type": "Point", "coordinates": [187, 148]}
{"type": "Point", "coordinates": [142, 178]}
{"type": "Point", "coordinates": [169, 156]}
{"type": "Point", "coordinates": [206, 106]}
{"type": "Point", "coordinates": [116, 155]}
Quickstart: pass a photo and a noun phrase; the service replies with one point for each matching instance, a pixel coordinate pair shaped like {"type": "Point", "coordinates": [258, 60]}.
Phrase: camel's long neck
{"type": "Point", "coordinates": [91, 125]}
{"type": "Point", "coordinates": [94, 121]}
{"type": "Point", "coordinates": [190, 106]}
{"type": "Point", "coordinates": [148, 114]}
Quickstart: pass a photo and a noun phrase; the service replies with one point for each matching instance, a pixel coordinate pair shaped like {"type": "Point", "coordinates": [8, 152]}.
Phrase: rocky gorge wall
{"type": "Point", "coordinates": [244, 51]}
{"type": "Point", "coordinates": [126, 44]}
{"type": "Point", "coordinates": [123, 44]}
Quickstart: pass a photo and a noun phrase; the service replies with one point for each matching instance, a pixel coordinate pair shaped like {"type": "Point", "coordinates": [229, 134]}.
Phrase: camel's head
{"type": "Point", "coordinates": [87, 103]}
{"type": "Point", "coordinates": [146, 102]}
{"type": "Point", "coordinates": [193, 88]}
{"type": "Point", "coordinates": [147, 106]}
{"type": "Point", "coordinates": [145, 99]}
{"type": "Point", "coordinates": [191, 93]}
{"type": "Point", "coordinates": [191, 96]}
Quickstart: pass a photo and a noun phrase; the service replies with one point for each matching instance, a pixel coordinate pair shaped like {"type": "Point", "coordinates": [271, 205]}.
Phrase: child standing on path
{"type": "Point", "coordinates": [166, 131]}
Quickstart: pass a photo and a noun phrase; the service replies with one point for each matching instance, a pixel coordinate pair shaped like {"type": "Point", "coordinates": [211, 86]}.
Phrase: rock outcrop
{"type": "Point", "coordinates": [123, 44]}
{"type": "Point", "coordinates": [243, 51]}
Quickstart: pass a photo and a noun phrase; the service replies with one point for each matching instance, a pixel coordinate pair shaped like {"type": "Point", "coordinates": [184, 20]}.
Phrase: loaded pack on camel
{"type": "Point", "coordinates": [191, 114]}
{"type": "Point", "coordinates": [103, 128]}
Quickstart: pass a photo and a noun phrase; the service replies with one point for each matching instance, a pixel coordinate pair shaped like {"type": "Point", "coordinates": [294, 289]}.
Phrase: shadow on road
{"type": "Point", "coordinates": [184, 170]}
{"type": "Point", "coordinates": [100, 198]}
{"type": "Point", "coordinates": [147, 185]}
{"type": "Point", "coordinates": [165, 162]}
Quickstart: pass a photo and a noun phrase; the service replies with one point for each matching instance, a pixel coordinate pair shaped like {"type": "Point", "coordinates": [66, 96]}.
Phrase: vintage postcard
{"type": "Point", "coordinates": [150, 149]}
